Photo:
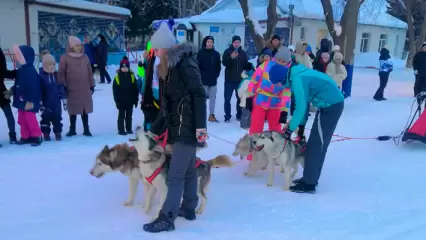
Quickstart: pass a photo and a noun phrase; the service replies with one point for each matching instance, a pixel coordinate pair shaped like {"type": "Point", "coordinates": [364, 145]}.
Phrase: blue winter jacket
{"type": "Point", "coordinates": [51, 91]}
{"type": "Point", "coordinates": [89, 50]}
{"type": "Point", "coordinates": [27, 82]}
{"type": "Point", "coordinates": [310, 86]}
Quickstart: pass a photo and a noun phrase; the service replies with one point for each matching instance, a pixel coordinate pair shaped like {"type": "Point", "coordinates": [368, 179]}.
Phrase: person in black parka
{"type": "Point", "coordinates": [419, 66]}
{"type": "Point", "coordinates": [325, 46]}
{"type": "Point", "coordinates": [5, 97]}
{"type": "Point", "coordinates": [101, 58]}
{"type": "Point", "coordinates": [126, 93]}
{"type": "Point", "coordinates": [210, 66]}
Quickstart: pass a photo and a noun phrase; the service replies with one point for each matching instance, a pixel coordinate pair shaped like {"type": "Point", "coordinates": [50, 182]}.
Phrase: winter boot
{"type": "Point", "coordinates": [46, 137]}
{"type": "Point", "coordinates": [120, 127]}
{"type": "Point", "coordinates": [12, 138]}
{"type": "Point", "coordinates": [24, 141]}
{"type": "Point", "coordinates": [300, 180]}
{"type": "Point", "coordinates": [302, 187]}
{"type": "Point", "coordinates": [71, 132]}
{"type": "Point", "coordinates": [86, 130]}
{"type": "Point", "coordinates": [58, 136]}
{"type": "Point", "coordinates": [36, 141]}
{"type": "Point", "coordinates": [212, 118]}
{"type": "Point", "coordinates": [187, 214]}
{"type": "Point", "coordinates": [161, 224]}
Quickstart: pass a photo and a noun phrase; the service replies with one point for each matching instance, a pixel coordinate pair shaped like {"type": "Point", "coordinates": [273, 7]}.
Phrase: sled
{"type": "Point", "coordinates": [416, 130]}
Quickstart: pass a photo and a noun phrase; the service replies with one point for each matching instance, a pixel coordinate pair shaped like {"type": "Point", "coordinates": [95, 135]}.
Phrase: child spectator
{"type": "Point", "coordinates": [52, 94]}
{"type": "Point", "coordinates": [301, 54]}
{"type": "Point", "coordinates": [246, 103]}
{"type": "Point", "coordinates": [265, 56]}
{"type": "Point", "coordinates": [125, 91]}
{"type": "Point", "coordinates": [27, 95]}
{"type": "Point", "coordinates": [320, 64]}
{"type": "Point", "coordinates": [337, 70]}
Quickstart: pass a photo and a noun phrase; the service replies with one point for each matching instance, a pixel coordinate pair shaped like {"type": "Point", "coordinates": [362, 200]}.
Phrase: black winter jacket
{"type": "Point", "coordinates": [183, 101]}
{"type": "Point", "coordinates": [4, 73]}
{"type": "Point", "coordinates": [419, 63]}
{"type": "Point", "coordinates": [148, 95]}
{"type": "Point", "coordinates": [234, 67]}
{"type": "Point", "coordinates": [210, 65]}
{"type": "Point", "coordinates": [101, 54]}
{"type": "Point", "coordinates": [125, 90]}
{"type": "Point", "coordinates": [325, 46]}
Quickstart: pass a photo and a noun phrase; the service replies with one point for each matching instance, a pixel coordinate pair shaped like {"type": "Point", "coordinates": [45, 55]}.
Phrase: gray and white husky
{"type": "Point", "coordinates": [279, 150]}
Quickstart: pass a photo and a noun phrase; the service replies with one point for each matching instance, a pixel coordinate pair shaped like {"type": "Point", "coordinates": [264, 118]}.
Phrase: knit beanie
{"type": "Point", "coordinates": [163, 37]}
{"type": "Point", "coordinates": [124, 63]}
{"type": "Point", "coordinates": [73, 41]}
{"type": "Point", "coordinates": [267, 52]}
{"type": "Point", "coordinates": [278, 74]}
{"type": "Point", "coordinates": [283, 54]}
{"type": "Point", "coordinates": [308, 48]}
{"type": "Point", "coordinates": [276, 37]}
{"type": "Point", "coordinates": [236, 38]}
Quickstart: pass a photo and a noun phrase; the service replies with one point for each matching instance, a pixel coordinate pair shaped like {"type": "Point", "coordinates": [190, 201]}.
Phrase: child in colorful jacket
{"type": "Point", "coordinates": [269, 98]}
{"type": "Point", "coordinates": [27, 95]}
{"type": "Point", "coordinates": [125, 91]}
{"type": "Point", "coordinates": [246, 103]}
{"type": "Point", "coordinates": [52, 94]}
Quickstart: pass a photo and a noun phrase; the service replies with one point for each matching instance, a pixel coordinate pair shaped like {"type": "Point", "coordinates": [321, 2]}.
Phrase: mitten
{"type": "Point", "coordinates": [201, 135]}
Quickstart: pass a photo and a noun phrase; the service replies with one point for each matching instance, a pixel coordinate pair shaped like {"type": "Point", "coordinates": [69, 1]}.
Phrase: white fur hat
{"type": "Point", "coordinates": [163, 37]}
{"type": "Point", "coordinates": [336, 48]}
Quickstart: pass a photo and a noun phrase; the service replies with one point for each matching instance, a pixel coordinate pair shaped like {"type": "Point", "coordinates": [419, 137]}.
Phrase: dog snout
{"type": "Point", "coordinates": [92, 172]}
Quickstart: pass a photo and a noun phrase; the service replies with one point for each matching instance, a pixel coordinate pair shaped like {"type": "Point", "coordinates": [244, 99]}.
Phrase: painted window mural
{"type": "Point", "coordinates": [54, 30]}
{"type": "Point", "coordinates": [249, 43]}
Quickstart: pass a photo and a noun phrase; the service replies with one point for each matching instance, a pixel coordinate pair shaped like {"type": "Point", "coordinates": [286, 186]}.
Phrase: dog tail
{"type": "Point", "coordinates": [220, 161]}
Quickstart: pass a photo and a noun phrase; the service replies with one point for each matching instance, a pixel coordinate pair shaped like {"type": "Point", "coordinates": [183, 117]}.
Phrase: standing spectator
{"type": "Point", "coordinates": [75, 74]}
{"type": "Point", "coordinates": [184, 115]}
{"type": "Point", "coordinates": [234, 59]}
{"type": "Point", "coordinates": [210, 66]}
{"type": "Point", "coordinates": [336, 48]}
{"type": "Point", "coordinates": [324, 47]}
{"type": "Point", "coordinates": [336, 70]}
{"type": "Point", "coordinates": [301, 55]}
{"type": "Point", "coordinates": [246, 103]}
{"type": "Point", "coordinates": [386, 67]}
{"type": "Point", "coordinates": [52, 94]}
{"type": "Point", "coordinates": [273, 45]}
{"type": "Point", "coordinates": [266, 55]}
{"type": "Point", "coordinates": [320, 64]}
{"type": "Point", "coordinates": [419, 66]}
{"type": "Point", "coordinates": [125, 91]}
{"type": "Point", "coordinates": [89, 50]}
{"type": "Point", "coordinates": [101, 58]}
{"type": "Point", "coordinates": [5, 97]}
{"type": "Point", "coordinates": [27, 95]}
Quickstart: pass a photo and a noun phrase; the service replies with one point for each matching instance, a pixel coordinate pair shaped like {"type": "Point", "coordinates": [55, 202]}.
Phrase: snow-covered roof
{"type": "Point", "coordinates": [82, 4]}
{"type": "Point", "coordinates": [372, 12]}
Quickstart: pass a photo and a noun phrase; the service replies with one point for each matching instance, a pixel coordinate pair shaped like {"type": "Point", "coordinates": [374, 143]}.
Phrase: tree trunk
{"type": "Point", "coordinates": [411, 34]}
{"type": "Point", "coordinates": [349, 24]}
{"type": "Point", "coordinates": [422, 34]}
{"type": "Point", "coordinates": [271, 23]}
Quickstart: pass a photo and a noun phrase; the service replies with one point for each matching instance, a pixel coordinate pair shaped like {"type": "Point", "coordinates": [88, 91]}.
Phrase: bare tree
{"type": "Point", "coordinates": [345, 38]}
{"type": "Point", "coordinates": [187, 8]}
{"type": "Point", "coordinates": [271, 23]}
{"type": "Point", "coordinates": [408, 4]}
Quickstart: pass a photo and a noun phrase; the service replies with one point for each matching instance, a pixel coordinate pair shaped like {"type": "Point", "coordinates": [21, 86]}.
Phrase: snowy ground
{"type": "Point", "coordinates": [368, 190]}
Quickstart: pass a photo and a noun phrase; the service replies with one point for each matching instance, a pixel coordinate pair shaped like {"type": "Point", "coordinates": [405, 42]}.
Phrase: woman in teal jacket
{"type": "Point", "coordinates": [310, 86]}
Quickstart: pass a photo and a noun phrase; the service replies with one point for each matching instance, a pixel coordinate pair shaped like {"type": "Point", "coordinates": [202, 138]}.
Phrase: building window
{"type": "Point", "coordinates": [383, 41]}
{"type": "Point", "coordinates": [365, 42]}
{"type": "Point", "coordinates": [396, 49]}
{"type": "Point", "coordinates": [302, 33]}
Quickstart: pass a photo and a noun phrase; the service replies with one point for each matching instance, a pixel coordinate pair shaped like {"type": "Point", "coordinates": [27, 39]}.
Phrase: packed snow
{"type": "Point", "coordinates": [369, 190]}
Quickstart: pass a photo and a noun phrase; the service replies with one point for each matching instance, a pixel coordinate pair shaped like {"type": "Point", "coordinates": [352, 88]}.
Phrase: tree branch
{"type": "Point", "coordinates": [272, 20]}
{"type": "Point", "coordinates": [329, 19]}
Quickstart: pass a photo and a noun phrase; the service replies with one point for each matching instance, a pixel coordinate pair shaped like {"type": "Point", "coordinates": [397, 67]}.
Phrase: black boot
{"type": "Point", "coordinates": [161, 224]}
{"type": "Point", "coordinates": [36, 141]}
{"type": "Point", "coordinates": [85, 120]}
{"type": "Point", "coordinates": [120, 127]}
{"type": "Point", "coordinates": [71, 132]}
{"type": "Point", "coordinates": [46, 137]}
{"type": "Point", "coordinates": [58, 136]}
{"type": "Point", "coordinates": [129, 125]}
{"type": "Point", "coordinates": [302, 187]}
{"type": "Point", "coordinates": [300, 180]}
{"type": "Point", "coordinates": [187, 214]}
{"type": "Point", "coordinates": [12, 138]}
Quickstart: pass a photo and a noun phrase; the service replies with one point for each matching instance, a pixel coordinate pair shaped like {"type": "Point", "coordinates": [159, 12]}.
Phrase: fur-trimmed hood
{"type": "Point", "coordinates": [179, 52]}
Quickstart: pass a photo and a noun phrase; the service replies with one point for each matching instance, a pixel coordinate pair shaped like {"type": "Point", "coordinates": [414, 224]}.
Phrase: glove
{"type": "Point", "coordinates": [29, 106]}
{"type": "Point", "coordinates": [201, 135]}
{"type": "Point", "coordinates": [92, 90]}
{"type": "Point", "coordinates": [249, 103]}
{"type": "Point", "coordinates": [283, 117]}
{"type": "Point", "coordinates": [65, 104]}
{"type": "Point", "coordinates": [287, 134]}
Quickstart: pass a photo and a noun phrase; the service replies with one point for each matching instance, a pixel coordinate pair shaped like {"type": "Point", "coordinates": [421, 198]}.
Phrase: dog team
{"type": "Point", "coordinates": [163, 155]}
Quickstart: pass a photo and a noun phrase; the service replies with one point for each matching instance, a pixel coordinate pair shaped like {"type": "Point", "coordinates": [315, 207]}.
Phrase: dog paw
{"type": "Point", "coordinates": [128, 203]}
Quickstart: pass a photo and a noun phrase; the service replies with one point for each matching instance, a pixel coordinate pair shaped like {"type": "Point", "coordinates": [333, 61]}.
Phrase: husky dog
{"type": "Point", "coordinates": [279, 150]}
{"type": "Point", "coordinates": [245, 147]}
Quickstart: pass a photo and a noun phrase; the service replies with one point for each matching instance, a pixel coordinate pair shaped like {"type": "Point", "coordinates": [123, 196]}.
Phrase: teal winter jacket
{"type": "Point", "coordinates": [310, 86]}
